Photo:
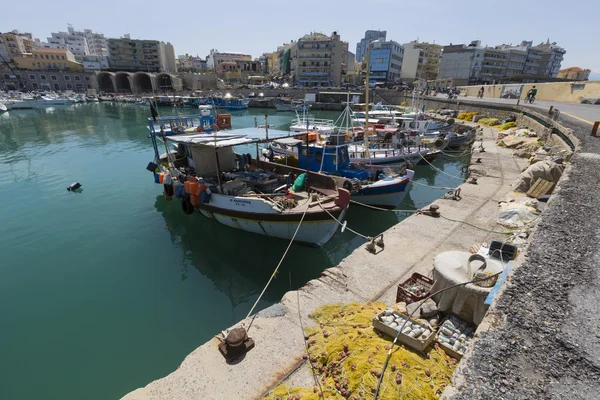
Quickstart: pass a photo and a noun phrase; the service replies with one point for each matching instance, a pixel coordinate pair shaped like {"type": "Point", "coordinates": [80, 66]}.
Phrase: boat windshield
{"type": "Point", "coordinates": [344, 158]}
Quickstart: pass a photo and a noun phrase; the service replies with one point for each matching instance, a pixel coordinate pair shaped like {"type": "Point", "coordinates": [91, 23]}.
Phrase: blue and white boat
{"type": "Point", "coordinates": [228, 102]}
{"type": "Point", "coordinates": [372, 185]}
{"type": "Point", "coordinates": [197, 124]}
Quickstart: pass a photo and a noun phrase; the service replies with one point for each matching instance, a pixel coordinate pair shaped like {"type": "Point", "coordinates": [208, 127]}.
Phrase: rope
{"type": "Point", "coordinates": [475, 226]}
{"type": "Point", "coordinates": [341, 224]}
{"type": "Point", "coordinates": [276, 269]}
{"type": "Point", "coordinates": [433, 187]}
{"type": "Point", "coordinates": [312, 367]}
{"type": "Point", "coordinates": [463, 154]}
{"type": "Point", "coordinates": [439, 170]}
{"type": "Point", "coordinates": [381, 209]}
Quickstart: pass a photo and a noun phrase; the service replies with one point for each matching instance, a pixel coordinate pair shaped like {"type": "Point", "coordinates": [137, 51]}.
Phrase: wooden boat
{"type": "Point", "coordinates": [245, 193]}
{"type": "Point", "coordinates": [372, 185]}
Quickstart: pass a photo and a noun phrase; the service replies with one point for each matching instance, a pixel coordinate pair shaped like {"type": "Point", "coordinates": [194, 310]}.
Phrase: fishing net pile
{"type": "Point", "coordinates": [348, 355]}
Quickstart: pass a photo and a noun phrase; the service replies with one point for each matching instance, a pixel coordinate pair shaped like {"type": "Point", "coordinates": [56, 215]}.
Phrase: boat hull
{"type": "Point", "coordinates": [387, 196]}
{"type": "Point", "coordinates": [316, 230]}
{"type": "Point", "coordinates": [397, 159]}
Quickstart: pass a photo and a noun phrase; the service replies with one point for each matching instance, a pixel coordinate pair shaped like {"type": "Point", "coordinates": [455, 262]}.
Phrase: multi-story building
{"type": "Point", "coordinates": [421, 61]}
{"type": "Point", "coordinates": [80, 43]}
{"type": "Point", "coordinates": [128, 54]}
{"type": "Point", "coordinates": [370, 36]}
{"type": "Point", "coordinates": [47, 59]}
{"type": "Point", "coordinates": [216, 57]}
{"type": "Point", "coordinates": [319, 60]}
{"type": "Point", "coordinates": [385, 62]}
{"type": "Point", "coordinates": [474, 64]}
{"type": "Point", "coordinates": [93, 62]}
{"type": "Point", "coordinates": [166, 56]}
{"type": "Point", "coordinates": [14, 44]}
{"type": "Point", "coordinates": [48, 80]}
{"type": "Point", "coordinates": [284, 58]}
{"type": "Point", "coordinates": [574, 74]}
{"type": "Point", "coordinates": [187, 63]}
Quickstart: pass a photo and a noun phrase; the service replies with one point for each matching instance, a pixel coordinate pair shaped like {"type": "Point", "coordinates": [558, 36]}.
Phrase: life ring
{"type": "Point", "coordinates": [186, 205]}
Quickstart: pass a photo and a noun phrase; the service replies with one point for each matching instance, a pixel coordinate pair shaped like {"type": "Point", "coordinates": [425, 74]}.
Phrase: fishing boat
{"type": "Point", "coordinates": [242, 192]}
{"type": "Point", "coordinates": [197, 124]}
{"type": "Point", "coordinates": [228, 102]}
{"type": "Point", "coordinates": [286, 104]}
{"type": "Point", "coordinates": [367, 184]}
{"type": "Point", "coordinates": [461, 138]}
{"type": "Point", "coordinates": [305, 121]}
{"type": "Point", "coordinates": [3, 107]}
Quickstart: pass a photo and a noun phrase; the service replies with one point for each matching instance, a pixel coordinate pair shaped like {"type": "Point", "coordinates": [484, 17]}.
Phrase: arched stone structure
{"type": "Point", "coordinates": [124, 82]}
{"type": "Point", "coordinates": [164, 82]}
{"type": "Point", "coordinates": [106, 82]}
{"type": "Point", "coordinates": [143, 82]}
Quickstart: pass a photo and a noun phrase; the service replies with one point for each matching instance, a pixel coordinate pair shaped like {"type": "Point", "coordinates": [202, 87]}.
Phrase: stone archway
{"type": "Point", "coordinates": [105, 82]}
{"type": "Point", "coordinates": [123, 82]}
{"type": "Point", "coordinates": [164, 82]}
{"type": "Point", "coordinates": [143, 82]}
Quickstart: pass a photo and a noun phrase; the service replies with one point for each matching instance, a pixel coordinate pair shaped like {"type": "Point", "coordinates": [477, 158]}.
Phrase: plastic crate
{"type": "Point", "coordinates": [402, 294]}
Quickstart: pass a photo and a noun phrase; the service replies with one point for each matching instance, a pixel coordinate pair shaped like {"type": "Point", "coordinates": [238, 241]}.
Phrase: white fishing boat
{"type": "Point", "coordinates": [305, 121]}
{"type": "Point", "coordinates": [3, 107]}
{"type": "Point", "coordinates": [244, 193]}
{"type": "Point", "coordinates": [386, 155]}
{"type": "Point", "coordinates": [291, 105]}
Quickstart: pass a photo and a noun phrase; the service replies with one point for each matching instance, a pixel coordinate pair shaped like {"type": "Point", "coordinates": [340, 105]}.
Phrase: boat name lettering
{"type": "Point", "coordinates": [240, 202]}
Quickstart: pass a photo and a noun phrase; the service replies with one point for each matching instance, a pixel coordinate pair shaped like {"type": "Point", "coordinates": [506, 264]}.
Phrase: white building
{"type": "Point", "coordinates": [80, 43]}
{"type": "Point", "coordinates": [93, 62]}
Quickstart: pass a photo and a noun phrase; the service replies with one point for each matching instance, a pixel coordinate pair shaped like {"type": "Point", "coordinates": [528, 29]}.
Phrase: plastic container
{"type": "Point", "coordinates": [193, 188]}
{"type": "Point", "coordinates": [161, 178]}
{"type": "Point", "coordinates": [195, 200]}
{"type": "Point", "coordinates": [403, 294]}
{"type": "Point", "coordinates": [199, 189]}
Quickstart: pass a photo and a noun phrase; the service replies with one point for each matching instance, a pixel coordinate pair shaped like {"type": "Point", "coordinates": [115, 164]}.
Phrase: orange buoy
{"type": "Point", "coordinates": [193, 186]}
{"type": "Point", "coordinates": [161, 178]}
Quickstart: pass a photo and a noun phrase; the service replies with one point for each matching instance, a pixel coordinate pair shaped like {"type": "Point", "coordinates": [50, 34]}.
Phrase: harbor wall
{"type": "Point", "coordinates": [572, 92]}
{"type": "Point", "coordinates": [410, 246]}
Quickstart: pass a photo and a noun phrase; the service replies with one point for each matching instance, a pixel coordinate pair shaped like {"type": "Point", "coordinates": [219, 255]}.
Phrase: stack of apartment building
{"type": "Point", "coordinates": [472, 64]}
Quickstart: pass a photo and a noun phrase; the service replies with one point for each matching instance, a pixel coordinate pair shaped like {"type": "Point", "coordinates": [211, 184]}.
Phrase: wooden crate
{"type": "Point", "coordinates": [419, 345]}
{"type": "Point", "coordinates": [539, 188]}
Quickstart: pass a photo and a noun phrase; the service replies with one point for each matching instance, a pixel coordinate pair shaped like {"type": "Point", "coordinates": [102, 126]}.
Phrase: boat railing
{"type": "Point", "coordinates": [313, 121]}
{"type": "Point", "coordinates": [185, 121]}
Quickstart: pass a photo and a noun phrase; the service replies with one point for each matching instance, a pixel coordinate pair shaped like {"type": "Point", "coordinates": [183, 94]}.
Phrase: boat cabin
{"type": "Point", "coordinates": [333, 160]}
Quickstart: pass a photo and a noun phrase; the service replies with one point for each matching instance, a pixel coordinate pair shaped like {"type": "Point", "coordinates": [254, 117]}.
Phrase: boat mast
{"type": "Point", "coordinates": [368, 60]}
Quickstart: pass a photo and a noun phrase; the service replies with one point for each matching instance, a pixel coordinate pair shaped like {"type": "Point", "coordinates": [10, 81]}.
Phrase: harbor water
{"type": "Point", "coordinates": [105, 290]}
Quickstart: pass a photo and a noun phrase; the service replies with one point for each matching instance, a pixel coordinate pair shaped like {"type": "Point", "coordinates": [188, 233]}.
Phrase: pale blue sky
{"type": "Point", "coordinates": [258, 26]}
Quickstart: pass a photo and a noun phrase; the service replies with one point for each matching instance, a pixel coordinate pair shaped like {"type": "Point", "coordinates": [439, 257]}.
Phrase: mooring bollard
{"type": "Point", "coordinates": [595, 128]}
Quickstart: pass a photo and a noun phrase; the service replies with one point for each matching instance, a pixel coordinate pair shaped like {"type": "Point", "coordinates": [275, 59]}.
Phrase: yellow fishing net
{"type": "Point", "coordinates": [348, 355]}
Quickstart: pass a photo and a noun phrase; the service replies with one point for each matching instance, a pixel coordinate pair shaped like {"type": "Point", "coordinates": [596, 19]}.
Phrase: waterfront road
{"type": "Point", "coordinates": [586, 113]}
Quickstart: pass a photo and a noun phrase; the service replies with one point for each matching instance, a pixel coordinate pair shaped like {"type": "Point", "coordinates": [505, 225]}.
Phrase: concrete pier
{"type": "Point", "coordinates": [409, 246]}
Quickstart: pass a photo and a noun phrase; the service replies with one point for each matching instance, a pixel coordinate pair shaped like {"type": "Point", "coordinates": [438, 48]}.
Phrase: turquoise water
{"type": "Point", "coordinates": [105, 290]}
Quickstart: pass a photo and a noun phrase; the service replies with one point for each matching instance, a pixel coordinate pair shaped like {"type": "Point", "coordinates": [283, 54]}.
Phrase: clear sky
{"type": "Point", "coordinates": [258, 26]}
